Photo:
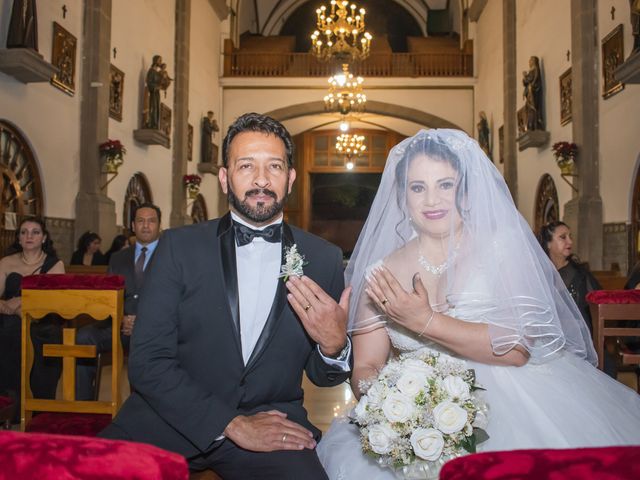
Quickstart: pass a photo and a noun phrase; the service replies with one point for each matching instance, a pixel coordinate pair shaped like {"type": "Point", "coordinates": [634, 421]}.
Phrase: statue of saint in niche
{"type": "Point", "coordinates": [484, 134]}
{"type": "Point", "coordinates": [155, 81]}
{"type": "Point", "coordinates": [23, 26]}
{"type": "Point", "coordinates": [209, 127]}
{"type": "Point", "coordinates": [532, 81]}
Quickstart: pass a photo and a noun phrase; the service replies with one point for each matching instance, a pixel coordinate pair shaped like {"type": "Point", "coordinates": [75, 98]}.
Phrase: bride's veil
{"type": "Point", "coordinates": [495, 273]}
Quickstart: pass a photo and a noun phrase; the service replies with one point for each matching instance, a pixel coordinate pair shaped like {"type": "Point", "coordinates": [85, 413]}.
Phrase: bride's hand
{"type": "Point", "coordinates": [409, 309]}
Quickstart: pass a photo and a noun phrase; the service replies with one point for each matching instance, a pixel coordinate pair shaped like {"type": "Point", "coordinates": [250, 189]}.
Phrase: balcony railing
{"type": "Point", "coordinates": [264, 64]}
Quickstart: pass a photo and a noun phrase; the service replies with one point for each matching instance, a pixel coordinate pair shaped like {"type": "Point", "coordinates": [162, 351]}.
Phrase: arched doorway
{"type": "Point", "coordinates": [546, 206]}
{"type": "Point", "coordinates": [199, 210]}
{"type": "Point", "coordinates": [20, 185]}
{"type": "Point", "coordinates": [329, 200]}
{"type": "Point", "coordinates": [138, 192]}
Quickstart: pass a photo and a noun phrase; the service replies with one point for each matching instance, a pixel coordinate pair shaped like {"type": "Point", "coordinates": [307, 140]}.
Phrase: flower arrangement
{"type": "Point", "coordinates": [192, 183]}
{"type": "Point", "coordinates": [113, 151]}
{"type": "Point", "coordinates": [192, 180]}
{"type": "Point", "coordinates": [293, 263]}
{"type": "Point", "coordinates": [422, 410]}
{"type": "Point", "coordinates": [565, 154]}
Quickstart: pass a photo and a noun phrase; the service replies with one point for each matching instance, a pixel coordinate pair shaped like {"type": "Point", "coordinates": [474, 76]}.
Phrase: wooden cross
{"type": "Point", "coordinates": [613, 13]}
{"type": "Point", "coordinates": [64, 11]}
{"type": "Point", "coordinates": [115, 52]}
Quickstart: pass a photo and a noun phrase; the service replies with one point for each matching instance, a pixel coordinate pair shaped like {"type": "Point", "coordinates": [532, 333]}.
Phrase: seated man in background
{"type": "Point", "coordinates": [131, 264]}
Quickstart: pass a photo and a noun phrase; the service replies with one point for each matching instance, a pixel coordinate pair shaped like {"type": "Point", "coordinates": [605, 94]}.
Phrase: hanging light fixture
{"type": "Point", "coordinates": [345, 93]}
{"type": "Point", "coordinates": [350, 145]}
{"type": "Point", "coordinates": [340, 33]}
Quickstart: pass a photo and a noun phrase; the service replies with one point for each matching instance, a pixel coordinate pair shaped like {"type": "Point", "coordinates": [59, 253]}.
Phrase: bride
{"type": "Point", "coordinates": [446, 262]}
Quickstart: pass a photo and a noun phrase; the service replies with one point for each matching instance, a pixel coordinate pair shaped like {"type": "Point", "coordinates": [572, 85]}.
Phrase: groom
{"type": "Point", "coordinates": [221, 342]}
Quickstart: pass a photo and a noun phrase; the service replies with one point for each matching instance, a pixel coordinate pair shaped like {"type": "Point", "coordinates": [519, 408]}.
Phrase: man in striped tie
{"type": "Point", "coordinates": [131, 263]}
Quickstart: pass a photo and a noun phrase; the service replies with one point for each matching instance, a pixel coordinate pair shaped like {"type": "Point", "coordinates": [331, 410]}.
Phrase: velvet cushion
{"type": "Point", "coordinates": [5, 401]}
{"type": "Point", "coordinates": [614, 296]}
{"type": "Point", "coordinates": [87, 424]}
{"type": "Point", "coordinates": [31, 456]}
{"type": "Point", "coordinates": [608, 463]}
{"type": "Point", "coordinates": [73, 282]}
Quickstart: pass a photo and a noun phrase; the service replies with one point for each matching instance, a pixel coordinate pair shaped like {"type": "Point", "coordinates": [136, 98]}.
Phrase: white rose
{"type": "Point", "coordinates": [398, 407]}
{"type": "Point", "coordinates": [449, 417]}
{"type": "Point", "coordinates": [427, 443]}
{"type": "Point", "coordinates": [411, 382]}
{"type": "Point", "coordinates": [375, 394]}
{"type": "Point", "coordinates": [361, 408]}
{"type": "Point", "coordinates": [381, 438]}
{"type": "Point", "coordinates": [456, 387]}
{"type": "Point", "coordinates": [415, 365]}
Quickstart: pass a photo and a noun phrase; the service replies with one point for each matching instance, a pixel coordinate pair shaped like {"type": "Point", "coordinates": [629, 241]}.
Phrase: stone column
{"type": "Point", "coordinates": [94, 210]}
{"type": "Point", "coordinates": [181, 114]}
{"type": "Point", "coordinates": [583, 213]}
{"type": "Point", "coordinates": [510, 96]}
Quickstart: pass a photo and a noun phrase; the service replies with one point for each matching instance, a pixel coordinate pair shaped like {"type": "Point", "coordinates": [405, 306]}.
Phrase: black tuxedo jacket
{"type": "Point", "coordinates": [186, 359]}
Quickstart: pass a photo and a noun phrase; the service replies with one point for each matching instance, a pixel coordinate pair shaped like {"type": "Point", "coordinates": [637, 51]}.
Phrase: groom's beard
{"type": "Point", "coordinates": [261, 212]}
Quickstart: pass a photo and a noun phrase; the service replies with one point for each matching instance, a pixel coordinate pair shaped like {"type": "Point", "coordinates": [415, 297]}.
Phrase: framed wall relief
{"type": "Point", "coordinates": [565, 97]}
{"type": "Point", "coordinates": [165, 120]}
{"type": "Point", "coordinates": [501, 143]}
{"type": "Point", "coordinates": [116, 92]}
{"type": "Point", "coordinates": [612, 57]}
{"type": "Point", "coordinates": [63, 57]}
{"type": "Point", "coordinates": [189, 142]}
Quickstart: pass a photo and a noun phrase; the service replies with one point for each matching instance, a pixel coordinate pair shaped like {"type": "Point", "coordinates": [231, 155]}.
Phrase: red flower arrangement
{"type": "Point", "coordinates": [112, 149]}
{"type": "Point", "coordinates": [565, 150]}
{"type": "Point", "coordinates": [192, 180]}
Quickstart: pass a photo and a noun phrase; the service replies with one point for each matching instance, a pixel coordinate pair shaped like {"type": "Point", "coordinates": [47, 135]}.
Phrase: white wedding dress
{"type": "Point", "coordinates": [562, 403]}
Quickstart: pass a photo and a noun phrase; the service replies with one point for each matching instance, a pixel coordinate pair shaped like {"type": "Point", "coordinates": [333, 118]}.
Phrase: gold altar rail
{"type": "Point", "coordinates": [267, 64]}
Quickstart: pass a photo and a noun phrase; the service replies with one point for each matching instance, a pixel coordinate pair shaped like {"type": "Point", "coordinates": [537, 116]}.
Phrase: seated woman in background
{"type": "Point", "coordinates": [555, 239]}
{"type": "Point", "coordinates": [88, 252]}
{"type": "Point", "coordinates": [120, 242]}
{"type": "Point", "coordinates": [32, 253]}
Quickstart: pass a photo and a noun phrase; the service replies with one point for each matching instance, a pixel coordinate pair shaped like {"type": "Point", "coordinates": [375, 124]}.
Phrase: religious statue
{"type": "Point", "coordinates": [154, 85]}
{"type": "Point", "coordinates": [165, 79]}
{"type": "Point", "coordinates": [209, 127]}
{"type": "Point", "coordinates": [484, 134]}
{"type": "Point", "coordinates": [532, 81]}
{"type": "Point", "coordinates": [23, 26]}
{"type": "Point", "coordinates": [634, 7]}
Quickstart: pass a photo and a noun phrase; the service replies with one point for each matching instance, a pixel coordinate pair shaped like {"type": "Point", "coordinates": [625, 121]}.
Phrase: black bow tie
{"type": "Point", "coordinates": [245, 235]}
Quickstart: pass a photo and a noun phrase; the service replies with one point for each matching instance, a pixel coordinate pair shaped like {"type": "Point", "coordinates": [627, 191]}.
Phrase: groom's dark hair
{"type": "Point", "coordinates": [255, 122]}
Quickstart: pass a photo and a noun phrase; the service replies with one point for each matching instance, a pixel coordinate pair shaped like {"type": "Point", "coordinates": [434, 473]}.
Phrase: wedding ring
{"type": "Point", "coordinates": [384, 301]}
{"type": "Point", "coordinates": [284, 437]}
{"type": "Point", "coordinates": [306, 309]}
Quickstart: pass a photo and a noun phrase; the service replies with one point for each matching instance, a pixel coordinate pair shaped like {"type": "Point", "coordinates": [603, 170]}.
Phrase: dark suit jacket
{"type": "Point", "coordinates": [123, 263]}
{"type": "Point", "coordinates": [186, 360]}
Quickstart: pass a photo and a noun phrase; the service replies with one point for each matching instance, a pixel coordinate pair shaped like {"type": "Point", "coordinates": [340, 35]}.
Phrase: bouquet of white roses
{"type": "Point", "coordinates": [422, 410]}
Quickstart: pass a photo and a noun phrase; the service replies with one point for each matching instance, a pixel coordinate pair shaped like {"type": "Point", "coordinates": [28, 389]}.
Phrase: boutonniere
{"type": "Point", "coordinates": [293, 263]}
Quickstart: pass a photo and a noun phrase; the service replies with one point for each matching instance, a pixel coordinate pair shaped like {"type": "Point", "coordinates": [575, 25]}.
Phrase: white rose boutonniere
{"type": "Point", "coordinates": [293, 263]}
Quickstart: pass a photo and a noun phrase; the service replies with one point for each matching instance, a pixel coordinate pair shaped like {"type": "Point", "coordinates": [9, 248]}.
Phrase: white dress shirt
{"type": "Point", "coordinates": [258, 266]}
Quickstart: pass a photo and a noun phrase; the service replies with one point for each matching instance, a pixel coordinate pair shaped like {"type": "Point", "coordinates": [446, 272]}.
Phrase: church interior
{"type": "Point", "coordinates": [107, 105]}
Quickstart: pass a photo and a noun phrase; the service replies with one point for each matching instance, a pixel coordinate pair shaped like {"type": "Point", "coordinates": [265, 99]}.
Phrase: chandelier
{"type": "Point", "coordinates": [340, 34]}
{"type": "Point", "coordinates": [345, 93]}
{"type": "Point", "coordinates": [350, 146]}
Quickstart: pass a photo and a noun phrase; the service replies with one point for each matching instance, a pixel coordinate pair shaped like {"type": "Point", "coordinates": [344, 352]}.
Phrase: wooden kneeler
{"type": "Point", "coordinates": [98, 296]}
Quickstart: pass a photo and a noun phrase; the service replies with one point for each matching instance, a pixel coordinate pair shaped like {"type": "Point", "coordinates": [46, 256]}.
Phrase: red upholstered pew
{"type": "Point", "coordinates": [608, 463]}
{"type": "Point", "coordinates": [35, 456]}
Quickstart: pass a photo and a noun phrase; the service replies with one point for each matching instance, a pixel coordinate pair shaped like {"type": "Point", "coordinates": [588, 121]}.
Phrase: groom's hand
{"type": "Point", "coordinates": [268, 431]}
{"type": "Point", "coordinates": [324, 319]}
